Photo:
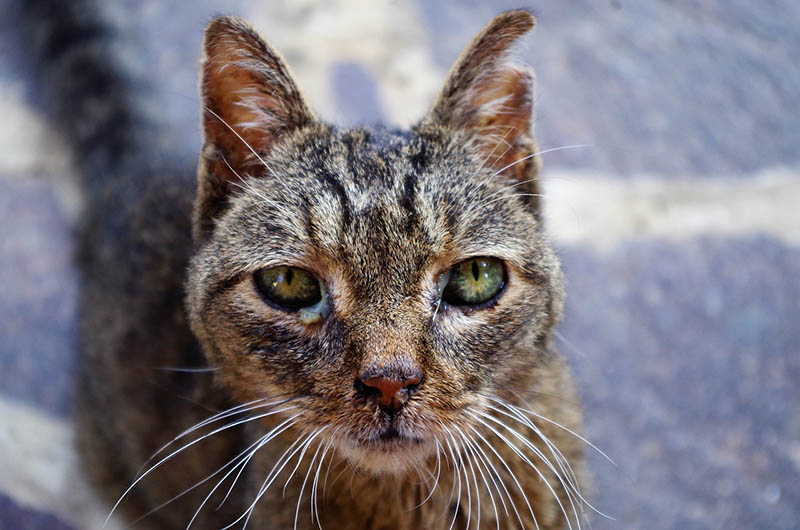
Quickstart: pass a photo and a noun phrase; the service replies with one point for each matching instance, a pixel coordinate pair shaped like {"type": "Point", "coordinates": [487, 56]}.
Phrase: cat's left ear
{"type": "Point", "coordinates": [250, 101]}
{"type": "Point", "coordinates": [489, 99]}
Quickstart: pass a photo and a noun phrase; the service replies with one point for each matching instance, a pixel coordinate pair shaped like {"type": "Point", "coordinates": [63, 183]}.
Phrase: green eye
{"type": "Point", "coordinates": [474, 282]}
{"type": "Point", "coordinates": [289, 288]}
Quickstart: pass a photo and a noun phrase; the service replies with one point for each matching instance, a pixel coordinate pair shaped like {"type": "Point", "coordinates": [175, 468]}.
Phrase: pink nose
{"type": "Point", "coordinates": [390, 393]}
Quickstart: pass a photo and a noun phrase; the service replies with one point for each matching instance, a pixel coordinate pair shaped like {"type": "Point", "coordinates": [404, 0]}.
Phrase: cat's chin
{"type": "Point", "coordinates": [393, 455]}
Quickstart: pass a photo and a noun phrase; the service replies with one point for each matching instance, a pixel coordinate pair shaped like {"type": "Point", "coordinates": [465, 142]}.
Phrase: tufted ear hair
{"type": "Point", "coordinates": [489, 99]}
{"type": "Point", "coordinates": [250, 101]}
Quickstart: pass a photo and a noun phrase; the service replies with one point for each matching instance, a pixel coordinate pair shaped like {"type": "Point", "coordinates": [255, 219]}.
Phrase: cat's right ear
{"type": "Point", "coordinates": [250, 101]}
{"type": "Point", "coordinates": [488, 99]}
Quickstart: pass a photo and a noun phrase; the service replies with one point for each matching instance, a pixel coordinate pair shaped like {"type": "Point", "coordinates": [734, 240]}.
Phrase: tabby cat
{"type": "Point", "coordinates": [334, 328]}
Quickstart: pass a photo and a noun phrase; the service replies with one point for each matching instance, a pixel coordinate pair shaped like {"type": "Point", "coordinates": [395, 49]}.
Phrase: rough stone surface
{"type": "Point", "coordinates": [38, 318]}
{"type": "Point", "coordinates": [690, 356]}
{"type": "Point", "coordinates": [17, 517]}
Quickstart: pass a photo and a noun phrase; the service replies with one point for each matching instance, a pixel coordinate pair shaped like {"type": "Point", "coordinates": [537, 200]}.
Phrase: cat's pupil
{"type": "Point", "coordinates": [289, 276]}
{"type": "Point", "coordinates": [475, 281]}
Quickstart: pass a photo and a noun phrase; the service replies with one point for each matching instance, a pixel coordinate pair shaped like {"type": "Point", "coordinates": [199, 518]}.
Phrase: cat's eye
{"type": "Point", "coordinates": [474, 282]}
{"type": "Point", "coordinates": [289, 288]}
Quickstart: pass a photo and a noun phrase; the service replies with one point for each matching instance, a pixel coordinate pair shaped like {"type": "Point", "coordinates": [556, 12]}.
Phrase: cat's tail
{"type": "Point", "coordinates": [95, 102]}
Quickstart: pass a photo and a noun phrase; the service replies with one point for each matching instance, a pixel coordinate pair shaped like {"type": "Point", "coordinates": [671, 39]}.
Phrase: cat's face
{"type": "Point", "coordinates": [381, 283]}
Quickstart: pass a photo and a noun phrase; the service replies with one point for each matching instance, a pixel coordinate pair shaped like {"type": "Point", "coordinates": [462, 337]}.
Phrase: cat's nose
{"type": "Point", "coordinates": [390, 392]}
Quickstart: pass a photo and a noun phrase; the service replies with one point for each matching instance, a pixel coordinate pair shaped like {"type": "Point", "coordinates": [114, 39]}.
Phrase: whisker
{"type": "Point", "coordinates": [271, 477]}
{"type": "Point", "coordinates": [297, 465]}
{"type": "Point", "coordinates": [303, 447]}
{"type": "Point", "coordinates": [171, 455]}
{"type": "Point", "coordinates": [327, 473]}
{"type": "Point", "coordinates": [466, 479]}
{"type": "Point", "coordinates": [303, 488]}
{"type": "Point", "coordinates": [436, 479]}
{"type": "Point", "coordinates": [570, 345]}
{"type": "Point", "coordinates": [557, 454]}
{"type": "Point", "coordinates": [559, 457]}
{"type": "Point", "coordinates": [527, 460]}
{"type": "Point", "coordinates": [469, 444]}
{"type": "Point", "coordinates": [492, 470]}
{"type": "Point", "coordinates": [264, 440]}
{"type": "Point", "coordinates": [239, 409]}
{"type": "Point", "coordinates": [458, 476]}
{"type": "Point", "coordinates": [491, 198]}
{"type": "Point", "coordinates": [513, 477]}
{"type": "Point", "coordinates": [198, 484]}
{"type": "Point", "coordinates": [475, 479]}
{"type": "Point", "coordinates": [569, 473]}
{"type": "Point", "coordinates": [573, 433]}
{"type": "Point", "coordinates": [314, 507]}
{"type": "Point", "coordinates": [186, 370]}
{"type": "Point", "coordinates": [285, 428]}
{"type": "Point", "coordinates": [537, 178]}
{"type": "Point", "coordinates": [506, 197]}
{"type": "Point", "coordinates": [225, 123]}
{"type": "Point", "coordinates": [545, 151]}
{"type": "Point", "coordinates": [490, 155]}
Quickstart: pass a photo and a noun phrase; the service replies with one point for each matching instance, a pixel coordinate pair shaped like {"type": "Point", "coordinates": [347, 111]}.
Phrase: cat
{"type": "Point", "coordinates": [327, 327]}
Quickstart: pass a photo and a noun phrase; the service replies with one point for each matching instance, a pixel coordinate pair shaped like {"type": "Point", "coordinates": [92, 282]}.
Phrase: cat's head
{"type": "Point", "coordinates": [382, 282]}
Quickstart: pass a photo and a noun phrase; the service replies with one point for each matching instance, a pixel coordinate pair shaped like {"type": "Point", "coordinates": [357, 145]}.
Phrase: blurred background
{"type": "Point", "coordinates": [679, 229]}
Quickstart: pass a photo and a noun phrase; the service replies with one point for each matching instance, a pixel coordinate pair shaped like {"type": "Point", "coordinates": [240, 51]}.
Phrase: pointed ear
{"type": "Point", "coordinates": [490, 100]}
{"type": "Point", "coordinates": [250, 101]}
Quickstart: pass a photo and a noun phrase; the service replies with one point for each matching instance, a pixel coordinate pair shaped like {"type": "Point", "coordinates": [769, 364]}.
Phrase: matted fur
{"type": "Point", "coordinates": [487, 438]}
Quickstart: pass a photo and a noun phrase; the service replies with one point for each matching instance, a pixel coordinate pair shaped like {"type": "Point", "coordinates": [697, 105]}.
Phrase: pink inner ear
{"type": "Point", "coordinates": [239, 112]}
{"type": "Point", "coordinates": [501, 119]}
{"type": "Point", "coordinates": [249, 95]}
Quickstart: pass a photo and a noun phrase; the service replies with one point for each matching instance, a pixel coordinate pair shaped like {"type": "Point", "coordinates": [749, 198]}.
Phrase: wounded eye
{"type": "Point", "coordinates": [474, 282]}
{"type": "Point", "coordinates": [289, 288]}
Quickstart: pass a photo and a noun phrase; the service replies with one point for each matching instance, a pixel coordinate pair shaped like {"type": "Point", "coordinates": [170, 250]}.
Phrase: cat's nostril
{"type": "Point", "coordinates": [390, 393]}
{"type": "Point", "coordinates": [365, 391]}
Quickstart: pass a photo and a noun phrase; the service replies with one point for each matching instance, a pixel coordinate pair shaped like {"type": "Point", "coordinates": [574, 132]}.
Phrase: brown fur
{"type": "Point", "coordinates": [377, 215]}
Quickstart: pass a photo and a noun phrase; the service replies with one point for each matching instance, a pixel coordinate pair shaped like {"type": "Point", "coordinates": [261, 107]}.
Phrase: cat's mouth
{"type": "Point", "coordinates": [388, 450]}
{"type": "Point", "coordinates": [391, 436]}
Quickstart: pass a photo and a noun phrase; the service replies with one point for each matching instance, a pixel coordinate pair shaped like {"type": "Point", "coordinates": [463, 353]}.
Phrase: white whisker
{"type": "Point", "coordinates": [239, 409]}
{"type": "Point", "coordinates": [470, 459]}
{"type": "Point", "coordinates": [527, 460]}
{"type": "Point", "coordinates": [470, 446]}
{"type": "Point", "coordinates": [314, 508]}
{"type": "Point", "coordinates": [185, 370]}
{"type": "Point", "coordinates": [436, 479]}
{"type": "Point", "coordinates": [198, 484]}
{"type": "Point", "coordinates": [303, 487]}
{"type": "Point", "coordinates": [573, 433]}
{"type": "Point", "coordinates": [569, 473]}
{"type": "Point", "coordinates": [225, 123]}
{"type": "Point", "coordinates": [279, 465]}
{"type": "Point", "coordinates": [241, 465]}
{"type": "Point", "coordinates": [553, 149]}
{"type": "Point", "coordinates": [513, 477]}
{"type": "Point", "coordinates": [506, 197]}
{"type": "Point", "coordinates": [467, 485]}
{"type": "Point", "coordinates": [492, 472]}
{"type": "Point", "coordinates": [458, 476]}
{"type": "Point", "coordinates": [171, 455]}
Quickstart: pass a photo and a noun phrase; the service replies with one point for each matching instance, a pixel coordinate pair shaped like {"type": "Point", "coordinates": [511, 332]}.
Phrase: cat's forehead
{"type": "Point", "coordinates": [382, 197]}
{"type": "Point", "coordinates": [372, 162]}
